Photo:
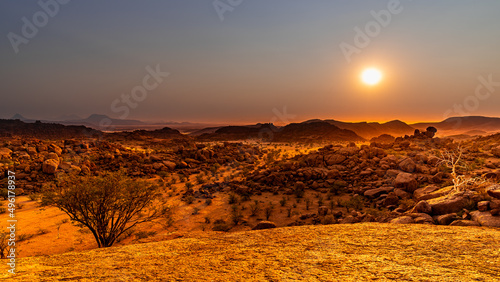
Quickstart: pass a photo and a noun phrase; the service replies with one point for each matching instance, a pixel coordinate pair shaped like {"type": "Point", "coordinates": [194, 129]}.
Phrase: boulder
{"type": "Point", "coordinates": [264, 225]}
{"type": "Point", "coordinates": [170, 165]}
{"type": "Point", "coordinates": [50, 166]}
{"type": "Point", "coordinates": [85, 170]}
{"type": "Point", "coordinates": [485, 219]}
{"type": "Point", "coordinates": [391, 200]}
{"type": "Point", "coordinates": [374, 193]}
{"type": "Point", "coordinates": [425, 193]}
{"type": "Point", "coordinates": [446, 219]}
{"type": "Point", "coordinates": [422, 207]}
{"type": "Point", "coordinates": [55, 149]}
{"type": "Point", "coordinates": [464, 222]}
{"type": "Point", "coordinates": [494, 191]}
{"type": "Point", "coordinates": [335, 159]}
{"type": "Point", "coordinates": [74, 169]}
{"type": "Point", "coordinates": [449, 204]}
{"type": "Point", "coordinates": [422, 218]}
{"type": "Point", "coordinates": [31, 150]}
{"type": "Point", "coordinates": [402, 220]}
{"type": "Point", "coordinates": [52, 156]}
{"type": "Point", "coordinates": [406, 181]}
{"type": "Point", "coordinates": [407, 165]}
{"type": "Point", "coordinates": [5, 153]}
{"type": "Point", "coordinates": [402, 194]}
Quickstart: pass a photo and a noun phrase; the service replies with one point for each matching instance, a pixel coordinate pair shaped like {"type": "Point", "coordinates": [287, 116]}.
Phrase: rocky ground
{"type": "Point", "coordinates": [232, 186]}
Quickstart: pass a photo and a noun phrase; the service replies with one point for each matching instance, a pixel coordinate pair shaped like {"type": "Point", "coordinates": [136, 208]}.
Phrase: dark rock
{"type": "Point", "coordinates": [264, 225]}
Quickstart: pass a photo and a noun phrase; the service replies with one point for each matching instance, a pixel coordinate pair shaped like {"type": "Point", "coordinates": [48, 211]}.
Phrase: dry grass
{"type": "Point", "coordinates": [359, 252]}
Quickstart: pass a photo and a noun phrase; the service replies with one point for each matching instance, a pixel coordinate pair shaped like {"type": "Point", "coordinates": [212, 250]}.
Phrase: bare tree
{"type": "Point", "coordinates": [107, 205]}
{"type": "Point", "coordinates": [454, 160]}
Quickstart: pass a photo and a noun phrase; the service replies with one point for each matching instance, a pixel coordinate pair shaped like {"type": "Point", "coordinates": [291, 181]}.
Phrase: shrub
{"type": "Point", "coordinates": [283, 201]}
{"type": "Point", "coordinates": [236, 215]}
{"type": "Point", "coordinates": [328, 219]}
{"type": "Point", "coordinates": [144, 234]}
{"type": "Point", "coordinates": [107, 205]}
{"type": "Point", "coordinates": [221, 225]}
{"type": "Point", "coordinates": [233, 199]}
{"type": "Point", "coordinates": [254, 208]}
{"type": "Point", "coordinates": [269, 210]}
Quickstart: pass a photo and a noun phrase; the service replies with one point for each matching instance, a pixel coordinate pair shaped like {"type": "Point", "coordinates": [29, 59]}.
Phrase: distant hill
{"type": "Point", "coordinates": [244, 132]}
{"type": "Point", "coordinates": [97, 121]}
{"type": "Point", "coordinates": [9, 128]}
{"type": "Point", "coordinates": [164, 133]}
{"type": "Point", "coordinates": [314, 131]}
{"type": "Point", "coordinates": [21, 118]}
{"type": "Point", "coordinates": [463, 125]}
{"type": "Point", "coordinates": [369, 130]}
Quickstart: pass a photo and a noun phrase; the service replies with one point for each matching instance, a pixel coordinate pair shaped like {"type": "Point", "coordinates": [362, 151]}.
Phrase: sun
{"type": "Point", "coordinates": [371, 76]}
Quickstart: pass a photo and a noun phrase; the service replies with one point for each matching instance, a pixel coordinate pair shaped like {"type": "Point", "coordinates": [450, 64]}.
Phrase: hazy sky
{"type": "Point", "coordinates": [234, 61]}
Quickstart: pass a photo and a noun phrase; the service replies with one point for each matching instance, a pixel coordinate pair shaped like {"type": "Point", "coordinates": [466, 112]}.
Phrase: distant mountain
{"type": "Point", "coordinates": [314, 131]}
{"type": "Point", "coordinates": [463, 125]}
{"type": "Point", "coordinates": [21, 118]}
{"type": "Point", "coordinates": [103, 122]}
{"type": "Point", "coordinates": [369, 130]}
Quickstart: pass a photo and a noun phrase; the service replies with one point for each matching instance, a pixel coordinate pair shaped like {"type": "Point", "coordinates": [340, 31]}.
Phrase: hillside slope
{"type": "Point", "coordinates": [357, 252]}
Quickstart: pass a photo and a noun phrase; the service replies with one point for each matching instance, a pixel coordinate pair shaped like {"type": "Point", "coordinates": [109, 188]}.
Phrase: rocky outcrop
{"type": "Point", "coordinates": [448, 204]}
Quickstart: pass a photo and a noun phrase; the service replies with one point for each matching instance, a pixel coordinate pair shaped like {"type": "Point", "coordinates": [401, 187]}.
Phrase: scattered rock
{"type": "Point", "coordinates": [485, 219]}
{"type": "Point", "coordinates": [50, 166]}
{"type": "Point", "coordinates": [374, 193]}
{"type": "Point", "coordinates": [406, 181]}
{"type": "Point", "coordinates": [464, 222]}
{"type": "Point", "coordinates": [169, 164]}
{"type": "Point", "coordinates": [402, 220]}
{"type": "Point", "coordinates": [494, 191]}
{"type": "Point", "coordinates": [407, 165]}
{"type": "Point", "coordinates": [446, 219]}
{"type": "Point", "coordinates": [5, 153]}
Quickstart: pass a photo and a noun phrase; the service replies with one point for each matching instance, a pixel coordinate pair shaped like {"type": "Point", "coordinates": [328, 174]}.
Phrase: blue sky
{"type": "Point", "coordinates": [263, 55]}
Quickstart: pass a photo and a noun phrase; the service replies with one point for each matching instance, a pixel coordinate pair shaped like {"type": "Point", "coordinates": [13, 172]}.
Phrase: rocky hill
{"type": "Point", "coordinates": [310, 132]}
{"type": "Point", "coordinates": [346, 252]}
{"type": "Point", "coordinates": [369, 130]}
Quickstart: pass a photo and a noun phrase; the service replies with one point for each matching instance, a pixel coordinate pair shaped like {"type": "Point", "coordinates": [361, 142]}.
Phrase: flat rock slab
{"type": "Point", "coordinates": [486, 219]}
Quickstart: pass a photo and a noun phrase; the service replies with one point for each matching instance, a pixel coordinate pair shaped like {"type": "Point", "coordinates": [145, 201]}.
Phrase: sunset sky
{"type": "Point", "coordinates": [245, 63]}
